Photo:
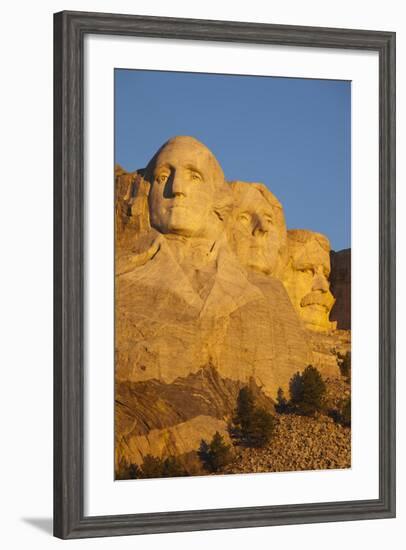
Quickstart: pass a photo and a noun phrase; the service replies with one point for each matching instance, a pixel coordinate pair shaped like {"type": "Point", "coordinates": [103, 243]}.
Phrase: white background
{"type": "Point", "coordinates": [26, 274]}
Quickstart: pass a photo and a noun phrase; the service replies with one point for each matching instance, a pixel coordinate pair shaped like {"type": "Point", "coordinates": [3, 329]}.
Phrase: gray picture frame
{"type": "Point", "coordinates": [70, 29]}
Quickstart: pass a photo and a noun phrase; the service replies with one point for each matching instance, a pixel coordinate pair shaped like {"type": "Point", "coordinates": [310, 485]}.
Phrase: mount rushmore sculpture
{"type": "Point", "coordinates": [212, 293]}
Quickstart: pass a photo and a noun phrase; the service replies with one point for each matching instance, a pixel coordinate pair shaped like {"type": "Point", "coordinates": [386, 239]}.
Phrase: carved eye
{"type": "Point", "coordinates": [162, 178]}
{"type": "Point", "coordinates": [194, 176]}
{"type": "Point", "coordinates": [244, 218]}
{"type": "Point", "coordinates": [307, 271]}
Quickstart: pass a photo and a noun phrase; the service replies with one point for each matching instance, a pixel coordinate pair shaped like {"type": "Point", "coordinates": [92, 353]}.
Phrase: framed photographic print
{"type": "Point", "coordinates": [224, 275]}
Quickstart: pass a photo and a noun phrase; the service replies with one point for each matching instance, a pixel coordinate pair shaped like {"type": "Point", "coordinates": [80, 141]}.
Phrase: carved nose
{"type": "Point", "coordinates": [178, 186]}
{"type": "Point", "coordinates": [259, 226]}
{"type": "Point", "coordinates": [320, 282]}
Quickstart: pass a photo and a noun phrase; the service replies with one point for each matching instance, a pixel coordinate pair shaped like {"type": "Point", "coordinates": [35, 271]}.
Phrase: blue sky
{"type": "Point", "coordinates": [292, 134]}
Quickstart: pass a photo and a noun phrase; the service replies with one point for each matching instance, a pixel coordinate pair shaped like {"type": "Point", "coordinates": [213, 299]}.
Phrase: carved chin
{"type": "Point", "coordinates": [181, 221]}
{"type": "Point", "coordinates": [316, 316]}
{"type": "Point", "coordinates": [260, 262]}
{"type": "Point", "coordinates": [181, 227]}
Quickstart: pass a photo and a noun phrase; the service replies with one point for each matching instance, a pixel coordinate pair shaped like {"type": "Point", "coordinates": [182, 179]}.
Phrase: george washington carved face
{"type": "Point", "coordinates": [188, 191]}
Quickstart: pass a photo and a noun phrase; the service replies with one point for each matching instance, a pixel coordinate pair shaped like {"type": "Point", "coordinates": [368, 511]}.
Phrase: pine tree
{"type": "Point", "coordinates": [261, 428]}
{"type": "Point", "coordinates": [296, 389]}
{"type": "Point", "coordinates": [173, 468]}
{"type": "Point", "coordinates": [245, 408]}
{"type": "Point", "coordinates": [216, 454]}
{"type": "Point", "coordinates": [127, 470]}
{"type": "Point", "coordinates": [307, 391]}
{"type": "Point", "coordinates": [282, 402]}
{"type": "Point", "coordinates": [155, 467]}
{"type": "Point", "coordinates": [220, 454]}
{"type": "Point", "coordinates": [255, 424]}
{"type": "Point", "coordinates": [346, 412]}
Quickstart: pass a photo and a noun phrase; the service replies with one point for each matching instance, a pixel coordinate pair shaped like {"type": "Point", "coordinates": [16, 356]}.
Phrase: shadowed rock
{"type": "Point", "coordinates": [153, 417]}
{"type": "Point", "coordinates": [340, 281]}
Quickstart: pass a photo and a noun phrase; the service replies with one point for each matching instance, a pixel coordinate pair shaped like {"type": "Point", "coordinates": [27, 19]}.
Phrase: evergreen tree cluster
{"type": "Point", "coordinates": [307, 392]}
{"type": "Point", "coordinates": [253, 424]}
{"type": "Point", "coordinates": [152, 467]}
{"type": "Point", "coordinates": [216, 454]}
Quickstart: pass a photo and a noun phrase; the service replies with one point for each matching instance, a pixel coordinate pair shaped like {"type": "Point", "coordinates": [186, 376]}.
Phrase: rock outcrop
{"type": "Point", "coordinates": [154, 417]}
{"type": "Point", "coordinates": [244, 326]}
{"type": "Point", "coordinates": [340, 284]}
{"type": "Point", "coordinates": [327, 348]}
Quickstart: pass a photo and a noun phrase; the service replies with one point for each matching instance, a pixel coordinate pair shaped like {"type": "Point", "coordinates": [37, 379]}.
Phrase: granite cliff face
{"type": "Point", "coordinates": [154, 417]}
{"type": "Point", "coordinates": [340, 280]}
{"type": "Point", "coordinates": [201, 302]}
{"type": "Point", "coordinates": [244, 326]}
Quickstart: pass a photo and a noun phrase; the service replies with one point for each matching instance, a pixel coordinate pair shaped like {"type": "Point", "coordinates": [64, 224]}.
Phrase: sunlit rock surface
{"type": "Point", "coordinates": [206, 302]}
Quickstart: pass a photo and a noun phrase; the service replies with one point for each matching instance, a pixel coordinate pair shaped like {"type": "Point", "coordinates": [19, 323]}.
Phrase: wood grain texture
{"type": "Point", "coordinates": [69, 31]}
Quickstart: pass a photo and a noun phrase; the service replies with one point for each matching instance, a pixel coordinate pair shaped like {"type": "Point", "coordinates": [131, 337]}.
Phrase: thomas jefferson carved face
{"type": "Point", "coordinates": [306, 278]}
{"type": "Point", "coordinates": [187, 189]}
{"type": "Point", "coordinates": [257, 232]}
